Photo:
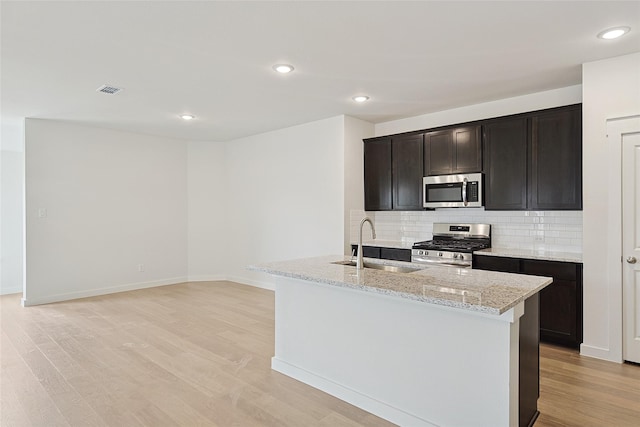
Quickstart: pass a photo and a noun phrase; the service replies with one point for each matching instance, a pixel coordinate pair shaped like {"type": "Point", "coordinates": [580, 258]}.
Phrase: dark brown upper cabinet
{"type": "Point", "coordinates": [505, 164]}
{"type": "Point", "coordinates": [406, 167]}
{"type": "Point", "coordinates": [377, 175]}
{"type": "Point", "coordinates": [531, 161]}
{"type": "Point", "coordinates": [534, 161]}
{"type": "Point", "coordinates": [555, 174]}
{"type": "Point", "coordinates": [393, 173]}
{"type": "Point", "coordinates": [453, 150]}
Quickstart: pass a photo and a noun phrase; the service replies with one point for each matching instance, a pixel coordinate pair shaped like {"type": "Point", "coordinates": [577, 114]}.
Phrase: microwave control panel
{"type": "Point", "coordinates": [472, 191]}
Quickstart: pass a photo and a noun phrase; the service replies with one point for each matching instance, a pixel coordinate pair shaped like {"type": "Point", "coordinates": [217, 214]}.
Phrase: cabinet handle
{"type": "Point", "coordinates": [631, 260]}
{"type": "Point", "coordinates": [464, 192]}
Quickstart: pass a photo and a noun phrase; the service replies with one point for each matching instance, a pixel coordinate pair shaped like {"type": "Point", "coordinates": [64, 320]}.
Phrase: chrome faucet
{"type": "Point", "coordinates": [360, 262]}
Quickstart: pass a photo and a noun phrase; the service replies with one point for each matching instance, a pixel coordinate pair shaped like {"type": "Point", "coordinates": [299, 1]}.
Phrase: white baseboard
{"type": "Point", "coordinates": [11, 290]}
{"type": "Point", "coordinates": [26, 302]}
{"type": "Point", "coordinates": [206, 278]}
{"type": "Point", "coordinates": [599, 353]}
{"type": "Point", "coordinates": [255, 283]}
{"type": "Point", "coordinates": [351, 396]}
{"type": "Point", "coordinates": [235, 279]}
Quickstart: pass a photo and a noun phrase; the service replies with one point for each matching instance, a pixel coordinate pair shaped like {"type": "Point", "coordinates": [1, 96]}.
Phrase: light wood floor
{"type": "Point", "coordinates": [199, 354]}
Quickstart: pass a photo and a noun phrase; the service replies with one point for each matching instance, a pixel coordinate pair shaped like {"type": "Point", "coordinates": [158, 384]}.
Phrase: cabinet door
{"type": "Point", "coordinates": [556, 160]}
{"type": "Point", "coordinates": [377, 175]}
{"type": "Point", "coordinates": [560, 302]}
{"type": "Point", "coordinates": [406, 166]}
{"type": "Point", "coordinates": [505, 164]}
{"type": "Point", "coordinates": [467, 150]}
{"type": "Point", "coordinates": [558, 312]}
{"type": "Point", "coordinates": [438, 153]}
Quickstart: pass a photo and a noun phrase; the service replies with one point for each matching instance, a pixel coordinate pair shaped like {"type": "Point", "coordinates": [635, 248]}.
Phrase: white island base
{"type": "Point", "coordinates": [409, 362]}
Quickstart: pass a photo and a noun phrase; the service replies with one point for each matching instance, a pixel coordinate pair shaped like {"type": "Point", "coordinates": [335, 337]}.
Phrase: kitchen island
{"type": "Point", "coordinates": [434, 346]}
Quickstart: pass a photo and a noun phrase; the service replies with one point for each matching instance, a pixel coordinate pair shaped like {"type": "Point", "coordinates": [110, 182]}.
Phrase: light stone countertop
{"type": "Point", "coordinates": [474, 290]}
{"type": "Point", "coordinates": [532, 254]}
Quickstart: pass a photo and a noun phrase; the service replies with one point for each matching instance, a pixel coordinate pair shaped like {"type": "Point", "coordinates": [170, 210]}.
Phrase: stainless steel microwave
{"type": "Point", "coordinates": [453, 191]}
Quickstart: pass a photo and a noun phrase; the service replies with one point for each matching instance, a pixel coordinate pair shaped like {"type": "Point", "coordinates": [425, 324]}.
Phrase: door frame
{"type": "Point", "coordinates": [616, 129]}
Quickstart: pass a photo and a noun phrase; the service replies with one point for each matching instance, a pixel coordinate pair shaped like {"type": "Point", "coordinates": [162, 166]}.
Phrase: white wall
{"type": "Point", "coordinates": [208, 211]}
{"type": "Point", "coordinates": [186, 210]}
{"type": "Point", "coordinates": [354, 132]}
{"type": "Point", "coordinates": [503, 107]}
{"type": "Point", "coordinates": [113, 200]}
{"type": "Point", "coordinates": [611, 88]}
{"type": "Point", "coordinates": [11, 202]}
{"type": "Point", "coordinates": [285, 195]}
{"type": "Point", "coordinates": [279, 195]}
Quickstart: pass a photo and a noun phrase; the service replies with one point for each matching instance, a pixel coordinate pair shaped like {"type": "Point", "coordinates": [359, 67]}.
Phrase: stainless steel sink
{"type": "Point", "coordinates": [391, 268]}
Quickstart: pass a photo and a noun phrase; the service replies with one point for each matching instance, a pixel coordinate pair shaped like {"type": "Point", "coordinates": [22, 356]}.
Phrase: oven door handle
{"type": "Point", "coordinates": [464, 192]}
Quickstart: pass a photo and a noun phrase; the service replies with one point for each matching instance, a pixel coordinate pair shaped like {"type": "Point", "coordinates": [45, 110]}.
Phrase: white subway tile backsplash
{"type": "Point", "coordinates": [543, 230]}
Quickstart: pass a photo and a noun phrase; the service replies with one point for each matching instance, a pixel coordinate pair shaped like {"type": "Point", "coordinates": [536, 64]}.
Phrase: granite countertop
{"type": "Point", "coordinates": [532, 254]}
{"type": "Point", "coordinates": [474, 290]}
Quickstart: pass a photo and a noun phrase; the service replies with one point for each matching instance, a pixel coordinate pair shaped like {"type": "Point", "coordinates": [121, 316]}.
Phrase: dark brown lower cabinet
{"type": "Point", "coordinates": [369, 251]}
{"type": "Point", "coordinates": [560, 302]}
{"type": "Point", "coordinates": [395, 254]}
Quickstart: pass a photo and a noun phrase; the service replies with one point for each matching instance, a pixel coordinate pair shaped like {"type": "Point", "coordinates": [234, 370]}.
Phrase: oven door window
{"type": "Point", "coordinates": [447, 192]}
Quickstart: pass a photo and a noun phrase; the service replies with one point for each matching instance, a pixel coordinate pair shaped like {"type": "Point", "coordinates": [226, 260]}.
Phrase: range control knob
{"type": "Point", "coordinates": [439, 253]}
{"type": "Point", "coordinates": [456, 256]}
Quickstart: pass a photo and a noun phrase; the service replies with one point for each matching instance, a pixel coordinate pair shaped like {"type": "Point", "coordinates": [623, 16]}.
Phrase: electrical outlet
{"type": "Point", "coordinates": [42, 213]}
{"type": "Point", "coordinates": [141, 267]}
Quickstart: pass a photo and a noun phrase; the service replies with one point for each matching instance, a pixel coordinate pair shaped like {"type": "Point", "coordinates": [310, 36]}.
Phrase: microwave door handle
{"type": "Point", "coordinates": [464, 192]}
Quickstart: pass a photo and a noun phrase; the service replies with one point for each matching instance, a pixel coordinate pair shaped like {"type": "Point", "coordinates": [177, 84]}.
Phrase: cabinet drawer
{"type": "Point", "coordinates": [557, 270]}
{"type": "Point", "coordinates": [396, 254]}
{"type": "Point", "coordinates": [384, 253]}
{"type": "Point", "coordinates": [494, 263]}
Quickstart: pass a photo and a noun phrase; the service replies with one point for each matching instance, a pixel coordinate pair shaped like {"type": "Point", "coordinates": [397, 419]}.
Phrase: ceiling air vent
{"type": "Point", "coordinates": [110, 90]}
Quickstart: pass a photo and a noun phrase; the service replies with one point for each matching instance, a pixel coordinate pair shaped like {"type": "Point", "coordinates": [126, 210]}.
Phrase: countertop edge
{"type": "Point", "coordinates": [472, 308]}
{"type": "Point", "coordinates": [531, 254]}
{"type": "Point", "coordinates": [385, 292]}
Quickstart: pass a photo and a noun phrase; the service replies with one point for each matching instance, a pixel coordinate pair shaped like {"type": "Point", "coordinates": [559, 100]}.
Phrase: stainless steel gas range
{"type": "Point", "coordinates": [452, 244]}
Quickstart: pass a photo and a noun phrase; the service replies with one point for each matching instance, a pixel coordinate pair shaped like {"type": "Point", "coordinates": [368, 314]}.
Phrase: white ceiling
{"type": "Point", "coordinates": [214, 59]}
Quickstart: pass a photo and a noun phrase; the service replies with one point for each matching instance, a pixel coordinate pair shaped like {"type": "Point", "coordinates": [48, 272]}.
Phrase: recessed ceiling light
{"type": "Point", "coordinates": [360, 98]}
{"type": "Point", "coordinates": [187, 116]}
{"type": "Point", "coordinates": [613, 33]}
{"type": "Point", "coordinates": [283, 68]}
